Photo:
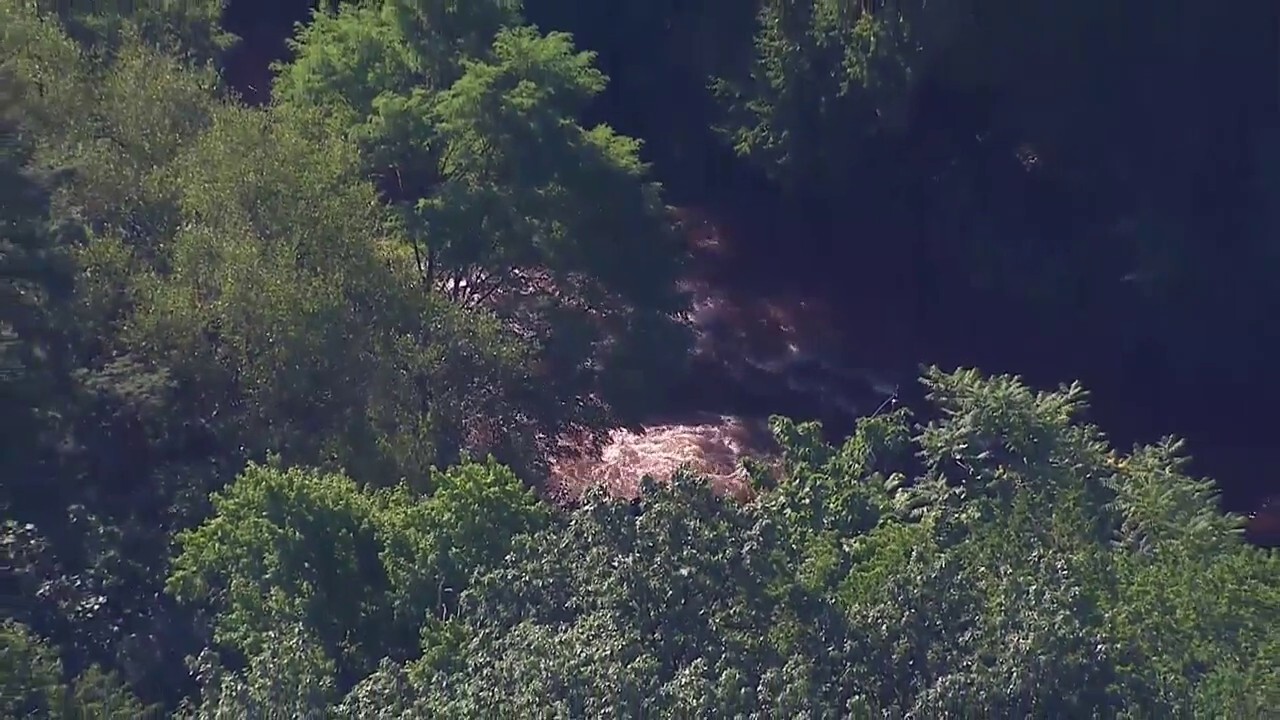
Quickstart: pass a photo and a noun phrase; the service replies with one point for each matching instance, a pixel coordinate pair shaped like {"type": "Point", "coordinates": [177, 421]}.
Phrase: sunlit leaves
{"type": "Point", "coordinates": [356, 67]}
{"type": "Point", "coordinates": [358, 570]}
{"type": "Point", "coordinates": [245, 283]}
{"type": "Point", "coordinates": [820, 596]}
{"type": "Point", "coordinates": [290, 675]}
{"type": "Point", "coordinates": [376, 68]}
{"type": "Point", "coordinates": [31, 673]}
{"type": "Point", "coordinates": [116, 124]}
{"type": "Point", "coordinates": [1006, 593]}
{"type": "Point", "coordinates": [288, 547]}
{"type": "Point", "coordinates": [191, 28]}
{"type": "Point", "coordinates": [544, 191]}
{"type": "Point", "coordinates": [511, 204]}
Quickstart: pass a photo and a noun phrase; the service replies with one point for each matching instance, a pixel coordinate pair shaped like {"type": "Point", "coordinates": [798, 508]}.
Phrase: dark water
{"type": "Point", "coordinates": [886, 321]}
{"type": "Point", "coordinates": [882, 317]}
{"type": "Point", "coordinates": [893, 324]}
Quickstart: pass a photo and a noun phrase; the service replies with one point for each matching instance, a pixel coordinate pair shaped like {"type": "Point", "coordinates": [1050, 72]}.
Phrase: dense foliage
{"type": "Point", "coordinates": [278, 386]}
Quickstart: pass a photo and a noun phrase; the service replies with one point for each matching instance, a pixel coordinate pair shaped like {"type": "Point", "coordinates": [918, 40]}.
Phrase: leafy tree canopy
{"type": "Point", "coordinates": [1027, 569]}
{"type": "Point", "coordinates": [510, 204]}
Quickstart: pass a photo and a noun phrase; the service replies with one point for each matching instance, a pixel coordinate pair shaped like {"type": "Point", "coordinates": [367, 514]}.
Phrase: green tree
{"type": "Point", "coordinates": [1015, 573]}
{"type": "Point", "coordinates": [36, 280]}
{"type": "Point", "coordinates": [116, 122]}
{"type": "Point", "coordinates": [32, 674]}
{"type": "Point", "coordinates": [67, 423]}
{"type": "Point", "coordinates": [825, 77]}
{"type": "Point", "coordinates": [531, 201]}
{"type": "Point", "coordinates": [31, 683]}
{"type": "Point", "coordinates": [359, 571]}
{"type": "Point", "coordinates": [189, 28]}
{"type": "Point", "coordinates": [510, 204]}
{"type": "Point", "coordinates": [375, 67]}
{"type": "Point", "coordinates": [420, 254]}
{"type": "Point", "coordinates": [289, 676]}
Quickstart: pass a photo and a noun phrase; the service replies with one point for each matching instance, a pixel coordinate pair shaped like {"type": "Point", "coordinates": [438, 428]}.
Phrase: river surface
{"type": "Point", "coordinates": [758, 353]}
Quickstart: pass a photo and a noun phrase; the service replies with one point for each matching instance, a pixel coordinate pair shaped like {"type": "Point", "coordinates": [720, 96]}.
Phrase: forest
{"type": "Point", "coordinates": [304, 312]}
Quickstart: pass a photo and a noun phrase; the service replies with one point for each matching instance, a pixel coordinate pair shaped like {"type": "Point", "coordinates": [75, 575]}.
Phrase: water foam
{"type": "Point", "coordinates": [781, 341]}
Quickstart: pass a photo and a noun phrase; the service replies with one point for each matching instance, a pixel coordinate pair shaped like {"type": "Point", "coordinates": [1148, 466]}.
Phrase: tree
{"type": "Point", "coordinates": [181, 282]}
{"type": "Point", "coordinates": [1022, 151]}
{"type": "Point", "coordinates": [1003, 577]}
{"type": "Point", "coordinates": [250, 355]}
{"type": "Point", "coordinates": [510, 204]}
{"type": "Point", "coordinates": [289, 675]}
{"type": "Point", "coordinates": [186, 28]}
{"type": "Point", "coordinates": [359, 571]}
{"type": "Point", "coordinates": [36, 278]}
{"type": "Point", "coordinates": [825, 77]}
{"type": "Point", "coordinates": [31, 683]}
{"type": "Point", "coordinates": [376, 66]}
{"type": "Point", "coordinates": [115, 121]}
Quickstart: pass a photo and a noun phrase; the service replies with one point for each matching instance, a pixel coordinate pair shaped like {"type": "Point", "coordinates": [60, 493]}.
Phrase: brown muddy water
{"type": "Point", "coordinates": [772, 353]}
